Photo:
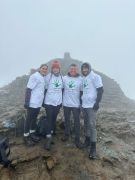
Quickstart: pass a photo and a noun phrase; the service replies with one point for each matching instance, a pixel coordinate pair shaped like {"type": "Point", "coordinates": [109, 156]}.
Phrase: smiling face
{"type": "Point", "coordinates": [85, 71]}
{"type": "Point", "coordinates": [55, 70]}
{"type": "Point", "coordinates": [55, 67]}
{"type": "Point", "coordinates": [73, 70]}
{"type": "Point", "coordinates": [43, 70]}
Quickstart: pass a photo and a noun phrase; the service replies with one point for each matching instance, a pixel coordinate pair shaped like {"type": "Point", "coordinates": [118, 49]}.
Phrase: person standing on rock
{"type": "Point", "coordinates": [92, 94]}
{"type": "Point", "coordinates": [71, 102]}
{"type": "Point", "coordinates": [53, 100]}
{"type": "Point", "coordinates": [34, 96]}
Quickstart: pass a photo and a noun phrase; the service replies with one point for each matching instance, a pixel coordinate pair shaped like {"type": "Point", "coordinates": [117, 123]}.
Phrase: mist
{"type": "Point", "coordinates": [99, 32]}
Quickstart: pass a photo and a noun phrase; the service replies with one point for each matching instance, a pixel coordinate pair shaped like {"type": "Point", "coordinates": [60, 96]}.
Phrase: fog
{"type": "Point", "coordinates": [99, 32]}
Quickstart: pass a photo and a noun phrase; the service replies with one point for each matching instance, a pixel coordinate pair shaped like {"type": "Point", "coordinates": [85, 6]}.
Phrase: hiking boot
{"type": "Point", "coordinates": [48, 143]}
{"type": "Point", "coordinates": [28, 141]}
{"type": "Point", "coordinates": [86, 142]}
{"type": "Point", "coordinates": [78, 144]}
{"type": "Point", "coordinates": [34, 137]}
{"type": "Point", "coordinates": [92, 154]}
{"type": "Point", "coordinates": [65, 138]}
{"type": "Point", "coordinates": [53, 133]}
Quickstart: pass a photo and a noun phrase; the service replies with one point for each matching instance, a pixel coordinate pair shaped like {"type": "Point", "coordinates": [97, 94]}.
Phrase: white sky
{"type": "Point", "coordinates": [101, 32]}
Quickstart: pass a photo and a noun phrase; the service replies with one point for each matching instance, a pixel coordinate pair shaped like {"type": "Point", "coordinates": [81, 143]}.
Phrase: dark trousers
{"type": "Point", "coordinates": [52, 113]}
{"type": "Point", "coordinates": [31, 118]}
{"type": "Point", "coordinates": [90, 123]}
{"type": "Point", "coordinates": [76, 116]}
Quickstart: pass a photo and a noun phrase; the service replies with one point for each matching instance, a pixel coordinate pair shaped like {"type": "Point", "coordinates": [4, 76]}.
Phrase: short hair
{"type": "Point", "coordinates": [86, 65]}
{"type": "Point", "coordinates": [43, 65]}
{"type": "Point", "coordinates": [74, 65]}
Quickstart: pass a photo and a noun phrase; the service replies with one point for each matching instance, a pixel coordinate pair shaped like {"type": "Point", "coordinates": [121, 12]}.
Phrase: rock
{"type": "Point", "coordinates": [22, 154]}
{"type": "Point", "coordinates": [51, 163]}
{"type": "Point", "coordinates": [46, 155]}
{"type": "Point", "coordinates": [107, 162]}
{"type": "Point", "coordinates": [3, 131]}
{"type": "Point", "coordinates": [108, 141]}
{"type": "Point", "coordinates": [1, 166]}
{"type": "Point", "coordinates": [6, 174]}
{"type": "Point", "coordinates": [44, 176]}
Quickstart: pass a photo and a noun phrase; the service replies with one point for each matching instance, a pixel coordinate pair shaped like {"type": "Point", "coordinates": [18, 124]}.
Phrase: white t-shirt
{"type": "Point", "coordinates": [89, 87]}
{"type": "Point", "coordinates": [37, 84]}
{"type": "Point", "coordinates": [72, 88]}
{"type": "Point", "coordinates": [54, 85]}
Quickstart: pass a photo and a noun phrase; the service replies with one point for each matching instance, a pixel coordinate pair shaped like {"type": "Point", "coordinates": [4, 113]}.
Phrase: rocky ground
{"type": "Point", "coordinates": [115, 152]}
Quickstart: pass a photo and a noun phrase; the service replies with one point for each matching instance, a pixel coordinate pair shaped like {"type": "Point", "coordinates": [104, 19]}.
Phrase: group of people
{"type": "Point", "coordinates": [73, 92]}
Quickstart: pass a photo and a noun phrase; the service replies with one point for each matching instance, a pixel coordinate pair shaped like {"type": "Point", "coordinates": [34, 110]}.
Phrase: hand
{"type": "Point", "coordinates": [96, 107]}
{"type": "Point", "coordinates": [26, 106]}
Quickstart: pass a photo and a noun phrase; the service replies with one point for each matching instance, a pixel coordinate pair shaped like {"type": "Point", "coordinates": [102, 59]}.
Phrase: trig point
{"type": "Point", "coordinates": [67, 55]}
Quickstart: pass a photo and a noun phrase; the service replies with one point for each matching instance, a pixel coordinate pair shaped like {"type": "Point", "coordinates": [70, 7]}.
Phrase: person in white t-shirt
{"type": "Point", "coordinates": [71, 102]}
{"type": "Point", "coordinates": [34, 96]}
{"type": "Point", "coordinates": [92, 94]}
{"type": "Point", "coordinates": [53, 100]}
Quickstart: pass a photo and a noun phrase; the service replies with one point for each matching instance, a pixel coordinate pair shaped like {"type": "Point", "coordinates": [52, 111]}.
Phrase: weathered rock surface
{"type": "Point", "coordinates": [115, 154]}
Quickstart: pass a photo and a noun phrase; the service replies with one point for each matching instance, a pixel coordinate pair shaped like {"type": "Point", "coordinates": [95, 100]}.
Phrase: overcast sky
{"type": "Point", "coordinates": [101, 32]}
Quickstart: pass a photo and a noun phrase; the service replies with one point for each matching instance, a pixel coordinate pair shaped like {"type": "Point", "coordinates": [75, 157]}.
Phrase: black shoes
{"type": "Point", "coordinates": [92, 154]}
{"type": "Point", "coordinates": [86, 142]}
{"type": "Point", "coordinates": [65, 138]}
{"type": "Point", "coordinates": [77, 141]}
{"type": "Point", "coordinates": [31, 139]}
{"type": "Point", "coordinates": [34, 137]}
{"type": "Point", "coordinates": [48, 143]}
{"type": "Point", "coordinates": [79, 145]}
{"type": "Point", "coordinates": [28, 141]}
